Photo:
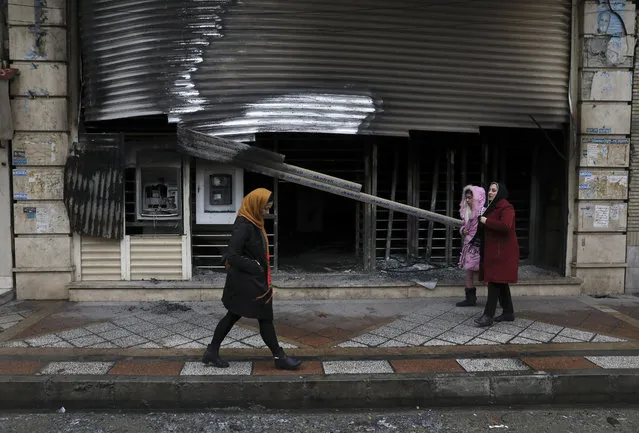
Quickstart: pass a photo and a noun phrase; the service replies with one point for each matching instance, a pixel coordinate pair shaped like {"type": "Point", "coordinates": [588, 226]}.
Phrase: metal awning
{"type": "Point", "coordinates": [272, 164]}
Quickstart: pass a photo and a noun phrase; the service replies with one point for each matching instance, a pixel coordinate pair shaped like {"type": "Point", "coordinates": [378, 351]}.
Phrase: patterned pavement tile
{"type": "Point", "coordinates": [182, 328]}
{"type": "Point", "coordinates": [197, 333]}
{"type": "Point", "coordinates": [155, 334]}
{"type": "Point", "coordinates": [370, 340]}
{"type": "Point", "coordinates": [441, 324]}
{"type": "Point", "coordinates": [267, 368]}
{"type": "Point", "coordinates": [426, 366]}
{"type": "Point", "coordinates": [72, 368]}
{"type": "Point", "coordinates": [191, 345]}
{"type": "Point", "coordinates": [393, 343]}
{"type": "Point", "coordinates": [130, 341]}
{"type": "Point", "coordinates": [163, 320]}
{"type": "Point", "coordinates": [9, 318]}
{"type": "Point", "coordinates": [471, 331]}
{"type": "Point", "coordinates": [428, 331]}
{"type": "Point", "coordinates": [140, 327]}
{"type": "Point", "coordinates": [235, 345]}
{"type": "Point", "coordinates": [387, 331]}
{"type": "Point", "coordinates": [14, 344]}
{"type": "Point", "coordinates": [503, 364]}
{"type": "Point", "coordinates": [21, 367]}
{"type": "Point", "coordinates": [499, 337]}
{"type": "Point", "coordinates": [173, 341]}
{"type": "Point", "coordinates": [506, 328]}
{"type": "Point", "coordinates": [352, 344]}
{"type": "Point", "coordinates": [522, 323]}
{"type": "Point", "coordinates": [546, 327]}
{"type": "Point", "coordinates": [530, 334]}
{"type": "Point", "coordinates": [129, 320]}
{"type": "Point", "coordinates": [404, 325]}
{"type": "Point", "coordinates": [455, 337]}
{"type": "Point", "coordinates": [5, 326]}
{"type": "Point", "coordinates": [105, 345]}
{"type": "Point", "coordinates": [72, 334]}
{"type": "Point", "coordinates": [43, 340]}
{"type": "Point", "coordinates": [412, 339]}
{"type": "Point", "coordinates": [523, 340]}
{"type": "Point", "coordinates": [86, 341]}
{"type": "Point", "coordinates": [562, 339]}
{"type": "Point", "coordinates": [607, 339]}
{"type": "Point", "coordinates": [114, 334]}
{"type": "Point", "coordinates": [437, 342]}
{"type": "Point", "coordinates": [612, 362]}
{"type": "Point", "coordinates": [480, 342]}
{"type": "Point", "coordinates": [146, 368]}
{"type": "Point", "coordinates": [357, 367]}
{"type": "Point", "coordinates": [149, 345]}
{"type": "Point", "coordinates": [61, 345]}
{"type": "Point", "coordinates": [559, 363]}
{"type": "Point", "coordinates": [199, 369]}
{"type": "Point", "coordinates": [254, 341]}
{"type": "Point", "coordinates": [239, 333]}
{"type": "Point", "coordinates": [102, 327]}
{"type": "Point", "coordinates": [576, 334]}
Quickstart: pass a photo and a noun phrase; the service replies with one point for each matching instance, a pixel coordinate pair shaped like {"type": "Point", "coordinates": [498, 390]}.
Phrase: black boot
{"type": "Point", "coordinates": [212, 356]}
{"type": "Point", "coordinates": [505, 317]}
{"type": "Point", "coordinates": [471, 298]}
{"type": "Point", "coordinates": [285, 362]}
{"type": "Point", "coordinates": [484, 321]}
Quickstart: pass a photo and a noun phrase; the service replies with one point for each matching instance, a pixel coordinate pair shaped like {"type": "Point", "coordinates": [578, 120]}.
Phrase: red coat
{"type": "Point", "coordinates": [500, 258]}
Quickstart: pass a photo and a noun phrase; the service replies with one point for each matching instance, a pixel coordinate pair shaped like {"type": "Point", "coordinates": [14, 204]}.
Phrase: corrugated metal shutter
{"type": "Point", "coordinates": [633, 185]}
{"type": "Point", "coordinates": [100, 259]}
{"type": "Point", "coordinates": [157, 258]}
{"type": "Point", "coordinates": [363, 66]}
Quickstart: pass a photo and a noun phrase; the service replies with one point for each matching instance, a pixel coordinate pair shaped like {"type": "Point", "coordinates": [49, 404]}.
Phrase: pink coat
{"type": "Point", "coordinates": [470, 255]}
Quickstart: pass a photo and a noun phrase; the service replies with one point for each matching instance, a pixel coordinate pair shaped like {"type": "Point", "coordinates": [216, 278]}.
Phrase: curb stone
{"type": "Point", "coordinates": [313, 392]}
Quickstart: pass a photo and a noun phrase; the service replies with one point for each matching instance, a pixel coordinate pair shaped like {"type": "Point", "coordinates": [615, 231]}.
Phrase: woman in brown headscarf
{"type": "Point", "coordinates": [248, 291]}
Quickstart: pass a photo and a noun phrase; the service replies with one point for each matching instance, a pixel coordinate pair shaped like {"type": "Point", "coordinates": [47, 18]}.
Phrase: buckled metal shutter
{"type": "Point", "coordinates": [362, 66]}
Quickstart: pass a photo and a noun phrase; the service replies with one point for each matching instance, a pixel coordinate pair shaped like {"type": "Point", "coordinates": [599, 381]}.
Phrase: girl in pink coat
{"type": "Point", "coordinates": [470, 209]}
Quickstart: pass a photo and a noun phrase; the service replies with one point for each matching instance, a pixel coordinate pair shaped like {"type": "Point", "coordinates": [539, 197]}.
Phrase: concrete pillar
{"type": "Point", "coordinates": [38, 48]}
{"type": "Point", "coordinates": [599, 250]}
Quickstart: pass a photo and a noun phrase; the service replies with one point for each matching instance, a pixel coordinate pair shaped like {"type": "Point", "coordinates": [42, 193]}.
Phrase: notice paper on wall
{"type": "Point", "coordinates": [614, 212]}
{"type": "Point", "coordinates": [602, 216]}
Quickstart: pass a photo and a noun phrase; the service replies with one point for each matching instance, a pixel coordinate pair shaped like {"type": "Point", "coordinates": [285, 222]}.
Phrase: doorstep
{"type": "Point", "coordinates": [133, 291]}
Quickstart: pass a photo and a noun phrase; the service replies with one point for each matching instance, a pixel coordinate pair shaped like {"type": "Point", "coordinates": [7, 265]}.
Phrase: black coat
{"type": "Point", "coordinates": [247, 277]}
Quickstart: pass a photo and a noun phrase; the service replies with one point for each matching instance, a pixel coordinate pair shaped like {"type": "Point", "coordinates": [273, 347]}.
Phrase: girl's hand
{"type": "Point", "coordinates": [482, 220]}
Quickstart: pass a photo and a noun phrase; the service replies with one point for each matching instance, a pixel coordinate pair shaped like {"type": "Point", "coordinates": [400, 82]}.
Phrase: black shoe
{"type": "Point", "coordinates": [505, 317]}
{"type": "Point", "coordinates": [285, 362]}
{"type": "Point", "coordinates": [212, 356]}
{"type": "Point", "coordinates": [471, 298]}
{"type": "Point", "coordinates": [484, 321]}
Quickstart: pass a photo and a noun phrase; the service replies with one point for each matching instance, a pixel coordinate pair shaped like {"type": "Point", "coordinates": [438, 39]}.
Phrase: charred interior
{"type": "Point", "coordinates": [311, 231]}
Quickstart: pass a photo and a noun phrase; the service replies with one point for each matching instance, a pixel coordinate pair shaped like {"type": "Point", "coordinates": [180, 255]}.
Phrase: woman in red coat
{"type": "Point", "coordinates": [500, 255]}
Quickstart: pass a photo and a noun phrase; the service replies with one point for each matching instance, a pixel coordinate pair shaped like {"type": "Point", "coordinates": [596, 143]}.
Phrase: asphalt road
{"type": "Point", "coordinates": [498, 420]}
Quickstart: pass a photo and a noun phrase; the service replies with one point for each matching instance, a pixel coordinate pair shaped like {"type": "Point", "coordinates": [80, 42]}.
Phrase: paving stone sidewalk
{"type": "Point", "coordinates": [316, 325]}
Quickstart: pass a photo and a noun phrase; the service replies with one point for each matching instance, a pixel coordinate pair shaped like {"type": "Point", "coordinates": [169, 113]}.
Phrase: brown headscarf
{"type": "Point", "coordinates": [253, 206]}
{"type": "Point", "coordinates": [252, 209]}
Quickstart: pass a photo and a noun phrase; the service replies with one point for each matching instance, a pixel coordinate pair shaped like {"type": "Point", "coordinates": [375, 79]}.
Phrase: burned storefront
{"type": "Point", "coordinates": [365, 119]}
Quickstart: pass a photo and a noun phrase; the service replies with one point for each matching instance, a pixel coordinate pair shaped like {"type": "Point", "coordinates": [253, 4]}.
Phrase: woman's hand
{"type": "Point", "coordinates": [482, 220]}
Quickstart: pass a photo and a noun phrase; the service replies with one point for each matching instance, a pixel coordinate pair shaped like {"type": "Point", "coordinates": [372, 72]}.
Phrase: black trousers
{"type": "Point", "coordinates": [498, 292]}
{"type": "Point", "coordinates": [267, 331]}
